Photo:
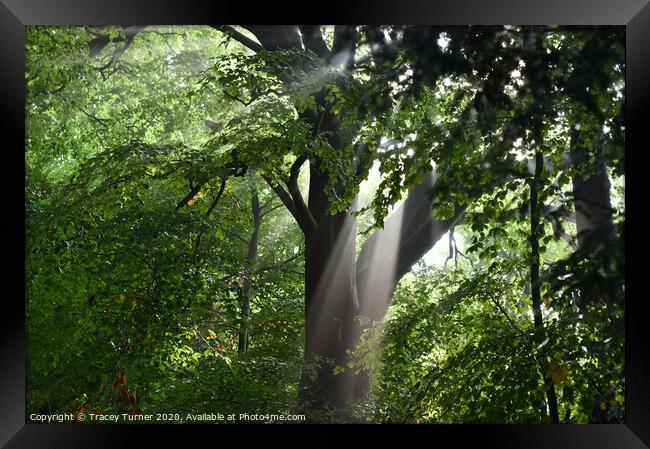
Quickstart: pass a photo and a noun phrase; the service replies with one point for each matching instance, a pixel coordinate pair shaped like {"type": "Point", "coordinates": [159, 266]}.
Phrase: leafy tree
{"type": "Point", "coordinates": [173, 234]}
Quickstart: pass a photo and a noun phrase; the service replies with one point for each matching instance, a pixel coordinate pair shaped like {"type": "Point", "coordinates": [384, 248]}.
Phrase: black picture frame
{"type": "Point", "coordinates": [633, 14]}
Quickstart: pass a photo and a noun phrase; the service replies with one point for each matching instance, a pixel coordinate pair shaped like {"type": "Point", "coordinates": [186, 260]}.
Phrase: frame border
{"type": "Point", "coordinates": [634, 14]}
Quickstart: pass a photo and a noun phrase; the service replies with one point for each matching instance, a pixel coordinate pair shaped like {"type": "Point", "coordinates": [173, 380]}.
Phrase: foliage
{"type": "Point", "coordinates": [135, 288]}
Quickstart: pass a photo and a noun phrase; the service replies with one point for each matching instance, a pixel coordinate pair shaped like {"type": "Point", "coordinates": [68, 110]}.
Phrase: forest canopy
{"type": "Point", "coordinates": [382, 224]}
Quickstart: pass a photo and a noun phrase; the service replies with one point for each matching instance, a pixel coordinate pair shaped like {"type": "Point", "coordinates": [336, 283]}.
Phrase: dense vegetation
{"type": "Point", "coordinates": [361, 224]}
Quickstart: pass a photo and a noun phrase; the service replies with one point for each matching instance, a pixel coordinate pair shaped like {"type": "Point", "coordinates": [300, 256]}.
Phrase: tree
{"type": "Point", "coordinates": [449, 116]}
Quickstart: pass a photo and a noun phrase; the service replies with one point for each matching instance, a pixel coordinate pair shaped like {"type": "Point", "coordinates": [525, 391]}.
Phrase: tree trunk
{"type": "Point", "coordinates": [332, 276]}
{"type": "Point", "coordinates": [535, 284]}
{"type": "Point", "coordinates": [591, 188]}
{"type": "Point", "coordinates": [596, 236]}
{"type": "Point", "coordinates": [249, 269]}
{"type": "Point", "coordinates": [330, 302]}
{"type": "Point", "coordinates": [408, 234]}
{"type": "Point", "coordinates": [594, 217]}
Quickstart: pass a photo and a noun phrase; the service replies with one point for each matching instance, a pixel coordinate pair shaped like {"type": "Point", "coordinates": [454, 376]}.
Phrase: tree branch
{"type": "Point", "coordinates": [232, 233]}
{"type": "Point", "coordinates": [274, 37]}
{"type": "Point", "coordinates": [216, 199]}
{"type": "Point", "coordinates": [312, 37]}
{"type": "Point", "coordinates": [270, 209]}
{"type": "Point", "coordinates": [412, 248]}
{"type": "Point", "coordinates": [553, 215]}
{"type": "Point", "coordinates": [382, 262]}
{"type": "Point", "coordinates": [235, 98]}
{"type": "Point", "coordinates": [512, 323]}
{"type": "Point", "coordinates": [194, 190]}
{"type": "Point", "coordinates": [294, 190]}
{"type": "Point", "coordinates": [451, 247]}
{"type": "Point", "coordinates": [130, 34]}
{"type": "Point", "coordinates": [239, 37]}
{"type": "Point", "coordinates": [286, 200]}
{"type": "Point", "coordinates": [99, 120]}
{"type": "Point", "coordinates": [344, 46]}
{"type": "Point", "coordinates": [280, 264]}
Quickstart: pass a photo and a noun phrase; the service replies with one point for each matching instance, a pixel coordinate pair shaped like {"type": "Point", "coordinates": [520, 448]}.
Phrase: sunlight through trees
{"type": "Point", "coordinates": [417, 224]}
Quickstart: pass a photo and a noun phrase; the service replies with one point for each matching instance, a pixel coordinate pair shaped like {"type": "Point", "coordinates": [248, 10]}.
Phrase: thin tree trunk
{"type": "Point", "coordinates": [249, 270]}
{"type": "Point", "coordinates": [535, 287]}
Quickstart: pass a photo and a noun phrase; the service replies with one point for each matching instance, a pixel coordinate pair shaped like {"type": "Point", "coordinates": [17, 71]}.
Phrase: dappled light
{"type": "Point", "coordinates": [325, 224]}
